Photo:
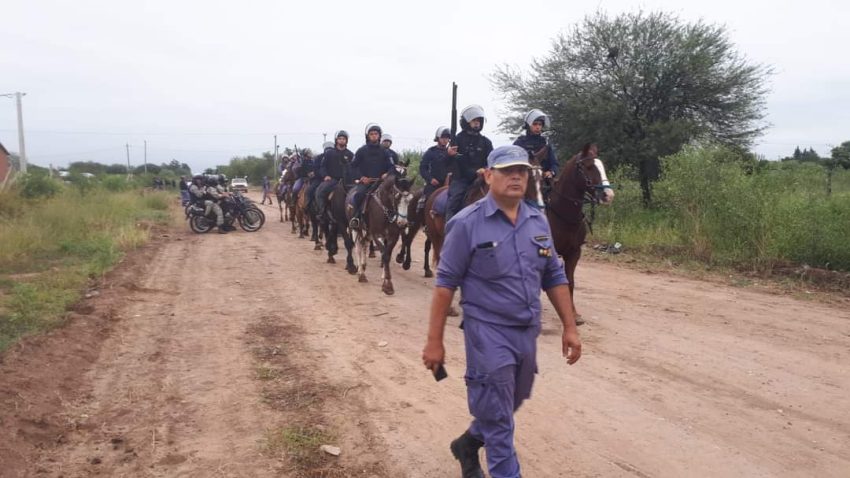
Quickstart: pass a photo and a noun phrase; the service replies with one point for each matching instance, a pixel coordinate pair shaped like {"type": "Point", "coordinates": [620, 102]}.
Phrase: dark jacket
{"type": "Point", "coordinates": [336, 163]}
{"type": "Point", "coordinates": [434, 165]}
{"type": "Point", "coordinates": [472, 151]}
{"type": "Point", "coordinates": [304, 167]}
{"type": "Point", "coordinates": [532, 143]}
{"type": "Point", "coordinates": [393, 155]}
{"type": "Point", "coordinates": [372, 161]}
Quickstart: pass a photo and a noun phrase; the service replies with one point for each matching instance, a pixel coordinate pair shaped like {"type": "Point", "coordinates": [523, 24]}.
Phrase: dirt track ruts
{"type": "Point", "coordinates": [679, 377]}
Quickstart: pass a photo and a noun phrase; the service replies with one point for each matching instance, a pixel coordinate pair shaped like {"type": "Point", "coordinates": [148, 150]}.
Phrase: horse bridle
{"type": "Point", "coordinates": [391, 215]}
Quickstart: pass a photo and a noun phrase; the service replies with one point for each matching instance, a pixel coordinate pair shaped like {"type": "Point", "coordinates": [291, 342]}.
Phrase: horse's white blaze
{"type": "Point", "coordinates": [609, 193]}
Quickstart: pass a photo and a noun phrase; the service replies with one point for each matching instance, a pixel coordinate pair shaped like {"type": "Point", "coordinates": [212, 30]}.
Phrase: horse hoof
{"type": "Point", "coordinates": [406, 266]}
{"type": "Point", "coordinates": [452, 312]}
{"type": "Point", "coordinates": [362, 279]}
{"type": "Point", "coordinates": [388, 289]}
{"type": "Point", "coordinates": [371, 255]}
{"type": "Point", "coordinates": [317, 247]}
{"type": "Point", "coordinates": [429, 274]}
{"type": "Point", "coordinates": [331, 260]}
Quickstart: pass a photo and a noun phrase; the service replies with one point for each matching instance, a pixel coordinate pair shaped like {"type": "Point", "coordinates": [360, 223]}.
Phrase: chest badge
{"type": "Point", "coordinates": [544, 252]}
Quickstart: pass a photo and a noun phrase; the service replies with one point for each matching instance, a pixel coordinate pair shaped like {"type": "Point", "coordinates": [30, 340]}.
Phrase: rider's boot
{"type": "Point", "coordinates": [222, 229]}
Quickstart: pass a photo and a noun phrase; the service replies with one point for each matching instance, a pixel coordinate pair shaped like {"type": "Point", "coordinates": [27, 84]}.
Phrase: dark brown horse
{"type": "Point", "coordinates": [415, 220]}
{"type": "Point", "coordinates": [435, 224]}
{"type": "Point", "coordinates": [579, 182]}
{"type": "Point", "coordinates": [335, 224]}
{"type": "Point", "coordinates": [385, 214]}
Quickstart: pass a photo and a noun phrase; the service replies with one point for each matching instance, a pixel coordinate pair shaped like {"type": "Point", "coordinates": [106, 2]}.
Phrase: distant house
{"type": "Point", "coordinates": [5, 165]}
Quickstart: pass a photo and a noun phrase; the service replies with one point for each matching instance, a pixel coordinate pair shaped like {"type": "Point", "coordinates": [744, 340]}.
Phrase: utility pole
{"type": "Point", "coordinates": [274, 161]}
{"type": "Point", "coordinates": [146, 156]}
{"type": "Point", "coordinates": [129, 173]}
{"type": "Point", "coordinates": [21, 147]}
{"type": "Point", "coordinates": [324, 138]}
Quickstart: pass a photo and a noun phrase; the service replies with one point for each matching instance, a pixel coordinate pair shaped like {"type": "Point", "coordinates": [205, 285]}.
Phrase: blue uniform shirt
{"type": "Point", "coordinates": [500, 267]}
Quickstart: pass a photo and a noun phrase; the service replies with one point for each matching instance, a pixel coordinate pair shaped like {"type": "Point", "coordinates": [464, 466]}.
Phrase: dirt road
{"type": "Point", "coordinates": [238, 355]}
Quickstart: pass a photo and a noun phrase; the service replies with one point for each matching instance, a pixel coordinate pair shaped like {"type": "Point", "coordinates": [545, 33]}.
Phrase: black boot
{"type": "Point", "coordinates": [465, 450]}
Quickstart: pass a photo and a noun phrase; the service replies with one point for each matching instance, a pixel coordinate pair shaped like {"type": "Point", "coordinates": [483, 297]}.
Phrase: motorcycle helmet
{"type": "Point", "coordinates": [470, 113]}
{"type": "Point", "coordinates": [441, 132]}
{"type": "Point", "coordinates": [536, 115]}
{"type": "Point", "coordinates": [372, 127]}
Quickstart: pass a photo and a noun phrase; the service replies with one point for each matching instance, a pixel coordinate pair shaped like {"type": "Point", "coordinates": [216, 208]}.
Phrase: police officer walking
{"type": "Point", "coordinates": [468, 150]}
{"type": "Point", "coordinates": [434, 166]}
{"type": "Point", "coordinates": [334, 168]}
{"type": "Point", "coordinates": [499, 251]}
{"type": "Point", "coordinates": [371, 163]}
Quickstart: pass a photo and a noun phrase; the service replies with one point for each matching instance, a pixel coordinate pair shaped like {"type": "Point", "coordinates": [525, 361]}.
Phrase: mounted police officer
{"type": "Point", "coordinates": [434, 166]}
{"type": "Point", "coordinates": [371, 163]}
{"type": "Point", "coordinates": [334, 168]}
{"type": "Point", "coordinates": [499, 251]}
{"type": "Point", "coordinates": [316, 179]}
{"type": "Point", "coordinates": [387, 143]}
{"type": "Point", "coordinates": [304, 171]}
{"type": "Point", "coordinates": [468, 150]}
{"type": "Point", "coordinates": [533, 141]}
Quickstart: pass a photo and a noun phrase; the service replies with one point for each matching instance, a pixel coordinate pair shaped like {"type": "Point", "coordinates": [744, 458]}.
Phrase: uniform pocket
{"type": "Point", "coordinates": [489, 262]}
{"type": "Point", "coordinates": [489, 400]}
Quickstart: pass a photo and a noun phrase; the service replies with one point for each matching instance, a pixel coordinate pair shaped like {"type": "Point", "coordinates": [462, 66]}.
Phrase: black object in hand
{"type": "Point", "coordinates": [440, 373]}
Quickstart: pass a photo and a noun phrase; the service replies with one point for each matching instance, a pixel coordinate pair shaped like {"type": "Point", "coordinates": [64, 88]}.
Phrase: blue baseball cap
{"type": "Point", "coordinates": [506, 156]}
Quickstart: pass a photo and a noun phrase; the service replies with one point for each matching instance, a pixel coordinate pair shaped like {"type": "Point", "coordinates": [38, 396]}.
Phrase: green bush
{"type": "Point", "coordinates": [114, 183]}
{"type": "Point", "coordinates": [33, 186]}
{"type": "Point", "coordinates": [711, 206]}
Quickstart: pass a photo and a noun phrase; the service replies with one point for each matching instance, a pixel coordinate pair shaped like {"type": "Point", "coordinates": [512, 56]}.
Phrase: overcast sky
{"type": "Point", "coordinates": [205, 81]}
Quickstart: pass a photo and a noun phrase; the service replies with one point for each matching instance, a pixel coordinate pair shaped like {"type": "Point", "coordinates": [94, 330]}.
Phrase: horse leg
{"type": "Point", "coordinates": [407, 254]}
{"type": "Point", "coordinates": [399, 258]}
{"type": "Point", "coordinates": [388, 245]}
{"type": "Point", "coordinates": [349, 245]}
{"type": "Point", "coordinates": [570, 263]}
{"type": "Point", "coordinates": [371, 249]}
{"type": "Point", "coordinates": [362, 242]}
{"type": "Point", "coordinates": [428, 272]}
{"type": "Point", "coordinates": [330, 240]}
{"type": "Point", "coordinates": [280, 207]}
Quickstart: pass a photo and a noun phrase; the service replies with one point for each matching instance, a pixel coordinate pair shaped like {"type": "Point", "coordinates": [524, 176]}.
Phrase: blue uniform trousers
{"type": "Point", "coordinates": [501, 362]}
{"type": "Point", "coordinates": [311, 191]}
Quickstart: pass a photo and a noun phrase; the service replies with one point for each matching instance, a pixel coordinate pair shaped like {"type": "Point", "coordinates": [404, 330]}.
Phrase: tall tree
{"type": "Point", "coordinates": [641, 85]}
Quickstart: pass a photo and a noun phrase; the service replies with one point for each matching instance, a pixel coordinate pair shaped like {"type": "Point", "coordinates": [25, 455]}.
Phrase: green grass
{"type": "Point", "coordinates": [50, 248]}
{"type": "Point", "coordinates": [300, 444]}
{"type": "Point", "coordinates": [711, 208]}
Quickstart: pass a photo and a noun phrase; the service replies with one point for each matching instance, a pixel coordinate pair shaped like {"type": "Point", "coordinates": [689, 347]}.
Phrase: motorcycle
{"type": "Point", "coordinates": [236, 208]}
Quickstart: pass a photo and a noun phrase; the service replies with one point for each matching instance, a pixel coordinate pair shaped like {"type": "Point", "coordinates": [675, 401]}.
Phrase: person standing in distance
{"type": "Point", "coordinates": [468, 151]}
{"type": "Point", "coordinates": [499, 251]}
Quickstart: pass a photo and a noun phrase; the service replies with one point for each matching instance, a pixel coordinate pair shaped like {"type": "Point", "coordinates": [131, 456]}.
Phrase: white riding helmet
{"type": "Point", "coordinates": [535, 115]}
{"type": "Point", "coordinates": [386, 137]}
{"type": "Point", "coordinates": [471, 112]}
{"type": "Point", "coordinates": [442, 130]}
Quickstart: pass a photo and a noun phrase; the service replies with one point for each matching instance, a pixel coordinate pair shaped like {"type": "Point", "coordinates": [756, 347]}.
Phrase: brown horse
{"type": "Point", "coordinates": [302, 217]}
{"type": "Point", "coordinates": [579, 182]}
{"type": "Point", "coordinates": [385, 214]}
{"type": "Point", "coordinates": [283, 193]}
{"type": "Point", "coordinates": [435, 224]}
{"type": "Point", "coordinates": [334, 224]}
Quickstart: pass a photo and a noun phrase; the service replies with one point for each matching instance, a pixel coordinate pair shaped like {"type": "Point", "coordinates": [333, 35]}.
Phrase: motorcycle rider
{"type": "Point", "coordinates": [199, 193]}
{"type": "Point", "coordinates": [468, 152]}
{"type": "Point", "coordinates": [435, 164]}
{"type": "Point", "coordinates": [371, 163]}
{"type": "Point", "coordinates": [334, 168]}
